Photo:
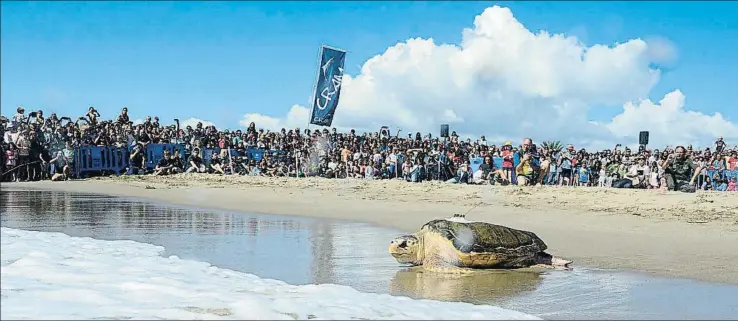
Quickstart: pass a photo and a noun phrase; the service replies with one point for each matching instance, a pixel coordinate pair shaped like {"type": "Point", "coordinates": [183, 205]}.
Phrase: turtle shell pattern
{"type": "Point", "coordinates": [482, 237]}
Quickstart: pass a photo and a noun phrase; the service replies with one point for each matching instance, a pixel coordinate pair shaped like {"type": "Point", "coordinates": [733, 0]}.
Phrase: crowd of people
{"type": "Point", "coordinates": [36, 147]}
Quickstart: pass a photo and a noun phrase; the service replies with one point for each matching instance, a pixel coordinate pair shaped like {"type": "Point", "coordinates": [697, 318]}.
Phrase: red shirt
{"type": "Point", "coordinates": [507, 159]}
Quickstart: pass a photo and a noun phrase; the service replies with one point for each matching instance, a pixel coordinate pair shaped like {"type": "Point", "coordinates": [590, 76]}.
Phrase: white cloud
{"type": "Point", "coordinates": [296, 117]}
{"type": "Point", "coordinates": [193, 122]}
{"type": "Point", "coordinates": [506, 81]}
{"type": "Point", "coordinates": [669, 123]}
{"type": "Point", "coordinates": [662, 51]}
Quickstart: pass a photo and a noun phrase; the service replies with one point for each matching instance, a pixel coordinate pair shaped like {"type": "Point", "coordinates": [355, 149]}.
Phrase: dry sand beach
{"type": "Point", "coordinates": [667, 233]}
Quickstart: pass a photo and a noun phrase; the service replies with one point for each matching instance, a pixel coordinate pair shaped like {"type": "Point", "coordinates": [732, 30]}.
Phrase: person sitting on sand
{"type": "Point", "coordinates": [177, 162]}
{"type": "Point", "coordinates": [196, 163]}
{"type": "Point", "coordinates": [215, 164]}
{"type": "Point", "coordinates": [488, 173]}
{"type": "Point", "coordinates": [59, 167]}
{"type": "Point", "coordinates": [137, 160]}
{"type": "Point", "coordinates": [165, 165]}
{"type": "Point", "coordinates": [462, 175]}
{"type": "Point", "coordinates": [638, 173]}
{"type": "Point", "coordinates": [731, 185]}
{"type": "Point", "coordinates": [680, 171]}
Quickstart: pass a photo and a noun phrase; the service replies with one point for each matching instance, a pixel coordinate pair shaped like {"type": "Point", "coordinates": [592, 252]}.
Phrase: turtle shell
{"type": "Point", "coordinates": [482, 237]}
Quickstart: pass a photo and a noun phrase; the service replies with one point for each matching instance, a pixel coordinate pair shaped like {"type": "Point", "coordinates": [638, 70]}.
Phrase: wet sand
{"type": "Point", "coordinates": [666, 233]}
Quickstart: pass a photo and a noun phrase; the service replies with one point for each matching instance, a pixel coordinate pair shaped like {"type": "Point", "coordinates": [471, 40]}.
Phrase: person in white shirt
{"type": "Point", "coordinates": [18, 119]}
{"type": "Point", "coordinates": [369, 171]}
{"type": "Point", "coordinates": [639, 173]}
{"type": "Point", "coordinates": [654, 178]}
{"type": "Point", "coordinates": [377, 157]}
{"type": "Point", "coordinates": [478, 176]}
{"type": "Point", "coordinates": [483, 141]}
{"type": "Point", "coordinates": [392, 162]}
{"type": "Point", "coordinates": [332, 165]}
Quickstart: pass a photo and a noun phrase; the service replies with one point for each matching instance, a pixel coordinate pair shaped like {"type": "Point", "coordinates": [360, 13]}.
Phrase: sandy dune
{"type": "Point", "coordinates": [674, 234]}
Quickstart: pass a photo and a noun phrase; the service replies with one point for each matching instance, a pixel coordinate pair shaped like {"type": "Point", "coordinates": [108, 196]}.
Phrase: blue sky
{"type": "Point", "coordinates": [220, 60]}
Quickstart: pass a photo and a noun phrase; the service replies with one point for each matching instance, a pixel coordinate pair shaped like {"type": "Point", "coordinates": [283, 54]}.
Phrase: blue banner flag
{"type": "Point", "coordinates": [328, 86]}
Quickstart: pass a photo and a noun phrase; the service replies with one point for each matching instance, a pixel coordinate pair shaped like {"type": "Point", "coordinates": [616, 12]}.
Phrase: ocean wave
{"type": "Point", "coordinates": [55, 276]}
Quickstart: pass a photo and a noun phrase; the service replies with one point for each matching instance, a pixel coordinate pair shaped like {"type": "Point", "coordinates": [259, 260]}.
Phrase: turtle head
{"type": "Point", "coordinates": [405, 249]}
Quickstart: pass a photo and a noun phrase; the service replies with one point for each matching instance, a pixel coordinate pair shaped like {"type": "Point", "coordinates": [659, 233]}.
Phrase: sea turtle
{"type": "Point", "coordinates": [457, 245]}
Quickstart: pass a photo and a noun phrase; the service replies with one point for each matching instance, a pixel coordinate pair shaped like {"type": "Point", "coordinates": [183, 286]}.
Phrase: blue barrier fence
{"type": "Point", "coordinates": [251, 153]}
{"type": "Point", "coordinates": [154, 153]}
{"type": "Point", "coordinates": [476, 162]}
{"type": "Point", "coordinates": [100, 159]}
{"type": "Point", "coordinates": [95, 159]}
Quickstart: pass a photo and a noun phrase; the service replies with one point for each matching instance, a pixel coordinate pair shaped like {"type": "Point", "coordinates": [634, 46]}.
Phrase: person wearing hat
{"type": "Point", "coordinates": [507, 161]}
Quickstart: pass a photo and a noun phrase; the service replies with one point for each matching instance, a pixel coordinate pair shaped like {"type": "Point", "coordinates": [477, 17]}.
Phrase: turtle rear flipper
{"type": "Point", "coordinates": [548, 259]}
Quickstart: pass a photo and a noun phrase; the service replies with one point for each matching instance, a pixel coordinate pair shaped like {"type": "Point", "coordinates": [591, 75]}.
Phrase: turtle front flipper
{"type": "Point", "coordinates": [440, 255]}
{"type": "Point", "coordinates": [435, 266]}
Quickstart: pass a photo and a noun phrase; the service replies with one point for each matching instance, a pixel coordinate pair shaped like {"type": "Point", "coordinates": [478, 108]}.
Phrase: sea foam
{"type": "Point", "coordinates": [56, 276]}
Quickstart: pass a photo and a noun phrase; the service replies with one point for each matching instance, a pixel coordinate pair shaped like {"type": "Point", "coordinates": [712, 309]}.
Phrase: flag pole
{"type": "Point", "coordinates": [315, 85]}
{"type": "Point", "coordinates": [311, 103]}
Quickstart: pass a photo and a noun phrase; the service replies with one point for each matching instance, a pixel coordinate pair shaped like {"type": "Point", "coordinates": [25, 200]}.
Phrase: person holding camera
{"type": "Point", "coordinates": [92, 115]}
{"type": "Point", "coordinates": [137, 160]}
{"type": "Point", "coordinates": [680, 171]}
{"type": "Point", "coordinates": [525, 170]}
{"type": "Point", "coordinates": [639, 173]}
{"type": "Point", "coordinates": [529, 171]}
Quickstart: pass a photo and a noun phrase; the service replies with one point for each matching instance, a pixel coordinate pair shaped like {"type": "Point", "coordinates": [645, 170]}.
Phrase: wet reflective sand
{"type": "Point", "coordinates": [302, 251]}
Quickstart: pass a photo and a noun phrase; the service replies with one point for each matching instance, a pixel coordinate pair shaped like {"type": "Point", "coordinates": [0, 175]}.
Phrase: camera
{"type": "Point", "coordinates": [32, 114]}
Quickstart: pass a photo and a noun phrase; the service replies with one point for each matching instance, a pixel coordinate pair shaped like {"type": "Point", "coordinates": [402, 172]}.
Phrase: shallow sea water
{"type": "Point", "coordinates": [314, 251]}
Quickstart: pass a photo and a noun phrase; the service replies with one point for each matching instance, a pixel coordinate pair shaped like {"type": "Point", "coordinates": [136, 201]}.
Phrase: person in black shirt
{"type": "Point", "coordinates": [216, 164]}
{"type": "Point", "coordinates": [492, 173]}
{"type": "Point", "coordinates": [176, 162]}
{"type": "Point", "coordinates": [196, 164]}
{"type": "Point", "coordinates": [143, 137]}
{"type": "Point", "coordinates": [138, 160]}
{"type": "Point", "coordinates": [123, 117]}
{"type": "Point", "coordinates": [34, 154]}
{"type": "Point", "coordinates": [719, 145]}
{"type": "Point", "coordinates": [165, 164]}
{"type": "Point", "coordinates": [45, 159]}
